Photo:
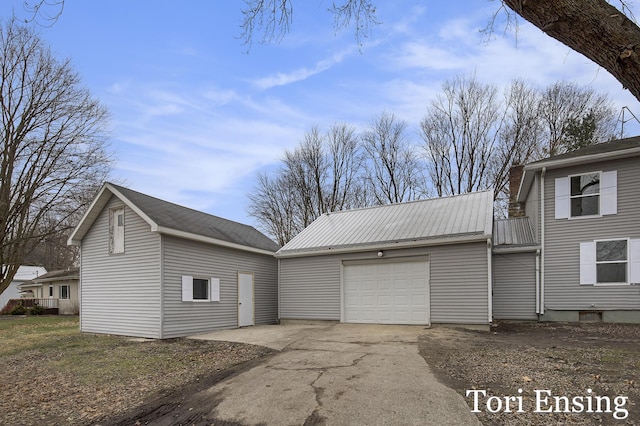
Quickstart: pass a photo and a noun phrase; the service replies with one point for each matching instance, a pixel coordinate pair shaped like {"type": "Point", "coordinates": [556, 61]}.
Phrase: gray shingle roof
{"type": "Point", "coordinates": [163, 216]}
{"type": "Point", "coordinates": [459, 218]}
{"type": "Point", "coordinates": [600, 148]}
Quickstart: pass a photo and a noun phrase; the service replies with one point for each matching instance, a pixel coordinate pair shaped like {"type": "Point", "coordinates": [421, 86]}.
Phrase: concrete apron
{"type": "Point", "coordinates": [338, 374]}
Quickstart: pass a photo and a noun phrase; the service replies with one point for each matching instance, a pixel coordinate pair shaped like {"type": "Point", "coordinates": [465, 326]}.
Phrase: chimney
{"type": "Point", "coordinates": [515, 176]}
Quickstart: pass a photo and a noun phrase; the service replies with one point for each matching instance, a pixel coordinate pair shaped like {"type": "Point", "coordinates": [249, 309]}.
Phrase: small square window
{"type": "Point", "coordinates": [200, 289]}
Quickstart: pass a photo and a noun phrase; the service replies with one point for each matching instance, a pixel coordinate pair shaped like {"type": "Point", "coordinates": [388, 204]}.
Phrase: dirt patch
{"type": "Point", "coordinates": [588, 363]}
{"type": "Point", "coordinates": [53, 374]}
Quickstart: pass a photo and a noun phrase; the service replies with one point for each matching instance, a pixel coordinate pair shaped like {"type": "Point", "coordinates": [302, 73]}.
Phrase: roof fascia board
{"type": "Point", "coordinates": [72, 240]}
{"type": "Point", "coordinates": [520, 249]}
{"type": "Point", "coordinates": [209, 240]}
{"type": "Point", "coordinates": [99, 202]}
{"type": "Point", "coordinates": [407, 244]}
{"type": "Point", "coordinates": [565, 162]}
{"type": "Point", "coordinates": [531, 169]}
{"type": "Point", "coordinates": [132, 206]}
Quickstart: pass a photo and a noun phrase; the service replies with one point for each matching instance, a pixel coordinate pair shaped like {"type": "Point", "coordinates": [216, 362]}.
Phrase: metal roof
{"type": "Point", "coordinates": [169, 218]}
{"type": "Point", "coordinates": [514, 231]}
{"type": "Point", "coordinates": [418, 223]}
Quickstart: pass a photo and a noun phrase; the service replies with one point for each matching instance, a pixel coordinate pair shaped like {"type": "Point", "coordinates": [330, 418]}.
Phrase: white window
{"type": "Point", "coordinates": [200, 289]}
{"type": "Point", "coordinates": [587, 194]}
{"type": "Point", "coordinates": [116, 230]}
{"type": "Point", "coordinates": [615, 261]}
{"type": "Point", "coordinates": [64, 292]}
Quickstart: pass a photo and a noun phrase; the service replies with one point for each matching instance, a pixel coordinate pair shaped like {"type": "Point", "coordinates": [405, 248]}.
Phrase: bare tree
{"type": "Point", "coordinates": [460, 129]}
{"type": "Point", "coordinates": [520, 137]}
{"type": "Point", "coordinates": [472, 139]}
{"type": "Point", "coordinates": [563, 104]}
{"type": "Point", "coordinates": [53, 145]}
{"type": "Point", "coordinates": [320, 175]}
{"type": "Point", "coordinates": [393, 172]}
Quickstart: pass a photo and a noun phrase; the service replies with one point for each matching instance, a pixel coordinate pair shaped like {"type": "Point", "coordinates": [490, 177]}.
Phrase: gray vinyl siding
{"type": "Point", "coordinates": [563, 236]}
{"type": "Point", "coordinates": [120, 293]}
{"type": "Point", "coordinates": [310, 286]}
{"type": "Point", "coordinates": [532, 206]}
{"type": "Point", "coordinates": [186, 257]}
{"type": "Point", "coordinates": [514, 286]}
{"type": "Point", "coordinates": [459, 284]}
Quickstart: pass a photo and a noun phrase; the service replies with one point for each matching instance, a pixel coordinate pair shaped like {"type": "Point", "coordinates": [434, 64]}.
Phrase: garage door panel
{"type": "Point", "coordinates": [387, 293]}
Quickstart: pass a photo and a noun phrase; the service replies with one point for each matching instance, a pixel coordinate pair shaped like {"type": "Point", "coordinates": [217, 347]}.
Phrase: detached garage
{"type": "Point", "coordinates": [419, 263]}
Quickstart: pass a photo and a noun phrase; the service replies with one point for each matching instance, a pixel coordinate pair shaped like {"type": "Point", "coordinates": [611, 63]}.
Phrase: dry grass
{"type": "Point", "coordinates": [53, 374]}
{"type": "Point", "coordinates": [567, 359]}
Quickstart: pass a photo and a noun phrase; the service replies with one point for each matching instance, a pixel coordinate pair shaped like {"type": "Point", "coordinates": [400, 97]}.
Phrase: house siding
{"type": "Point", "coordinates": [120, 293]}
{"type": "Point", "coordinates": [459, 283]}
{"type": "Point", "coordinates": [185, 257]}
{"type": "Point", "coordinates": [310, 286]}
{"type": "Point", "coordinates": [514, 286]}
{"type": "Point", "coordinates": [563, 237]}
{"type": "Point", "coordinates": [532, 206]}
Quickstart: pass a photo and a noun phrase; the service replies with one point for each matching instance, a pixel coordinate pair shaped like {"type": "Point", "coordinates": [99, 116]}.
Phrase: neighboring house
{"type": "Point", "coordinates": [584, 211]}
{"type": "Point", "coordinates": [154, 269]}
{"type": "Point", "coordinates": [419, 262]}
{"type": "Point", "coordinates": [59, 287]}
{"type": "Point", "coordinates": [25, 273]}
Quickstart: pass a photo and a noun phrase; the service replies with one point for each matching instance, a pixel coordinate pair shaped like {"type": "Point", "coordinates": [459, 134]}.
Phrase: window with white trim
{"type": "Point", "coordinates": [64, 292]}
{"type": "Point", "coordinates": [585, 194]}
{"type": "Point", "coordinates": [613, 261]}
{"type": "Point", "coordinates": [590, 194]}
{"type": "Point", "coordinates": [196, 289]}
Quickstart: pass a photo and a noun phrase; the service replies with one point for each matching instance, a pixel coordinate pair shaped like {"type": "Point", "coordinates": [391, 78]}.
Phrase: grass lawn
{"type": "Point", "coordinates": [54, 374]}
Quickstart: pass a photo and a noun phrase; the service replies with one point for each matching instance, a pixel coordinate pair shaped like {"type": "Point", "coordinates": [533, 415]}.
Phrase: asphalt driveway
{"type": "Point", "coordinates": [337, 374]}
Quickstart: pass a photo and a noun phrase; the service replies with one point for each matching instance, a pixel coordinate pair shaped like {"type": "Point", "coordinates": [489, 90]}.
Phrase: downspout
{"type": "Point", "coordinates": [542, 232]}
{"type": "Point", "coordinates": [489, 282]}
{"type": "Point", "coordinates": [538, 281]}
{"type": "Point", "coordinates": [279, 291]}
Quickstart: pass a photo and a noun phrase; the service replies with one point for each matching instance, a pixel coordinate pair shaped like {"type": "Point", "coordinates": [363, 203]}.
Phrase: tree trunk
{"type": "Point", "coordinates": [594, 28]}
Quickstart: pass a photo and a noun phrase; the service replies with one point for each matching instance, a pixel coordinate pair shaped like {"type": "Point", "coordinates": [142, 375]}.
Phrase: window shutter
{"type": "Point", "coordinates": [634, 261]}
{"type": "Point", "coordinates": [588, 263]}
{"type": "Point", "coordinates": [215, 289]}
{"type": "Point", "coordinates": [563, 202]}
{"type": "Point", "coordinates": [609, 192]}
{"type": "Point", "coordinates": [187, 288]}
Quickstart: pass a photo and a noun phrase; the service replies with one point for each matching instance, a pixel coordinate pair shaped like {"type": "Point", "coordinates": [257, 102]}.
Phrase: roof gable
{"type": "Point", "coordinates": [612, 150]}
{"type": "Point", "coordinates": [433, 221]}
{"type": "Point", "coordinates": [173, 219]}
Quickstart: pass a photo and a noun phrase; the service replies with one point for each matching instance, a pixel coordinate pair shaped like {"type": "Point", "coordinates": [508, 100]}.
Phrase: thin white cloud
{"type": "Point", "coordinates": [300, 74]}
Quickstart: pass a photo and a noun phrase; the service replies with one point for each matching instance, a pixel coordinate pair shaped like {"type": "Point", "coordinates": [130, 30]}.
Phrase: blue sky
{"type": "Point", "coordinates": [194, 117]}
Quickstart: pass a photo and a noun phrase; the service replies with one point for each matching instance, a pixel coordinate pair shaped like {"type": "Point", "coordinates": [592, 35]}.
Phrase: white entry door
{"type": "Point", "coordinates": [245, 299]}
{"type": "Point", "coordinates": [391, 292]}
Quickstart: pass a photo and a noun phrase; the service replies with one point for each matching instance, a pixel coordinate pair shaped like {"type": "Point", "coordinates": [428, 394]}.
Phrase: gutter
{"type": "Point", "coordinates": [209, 240]}
{"type": "Point", "coordinates": [384, 246]}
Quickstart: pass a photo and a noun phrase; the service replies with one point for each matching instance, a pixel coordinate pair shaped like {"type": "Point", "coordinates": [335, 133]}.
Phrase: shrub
{"type": "Point", "coordinates": [18, 310]}
{"type": "Point", "coordinates": [36, 310]}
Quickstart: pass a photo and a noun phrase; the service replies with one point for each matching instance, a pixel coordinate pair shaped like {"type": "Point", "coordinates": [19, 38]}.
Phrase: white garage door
{"type": "Point", "coordinates": [387, 292]}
